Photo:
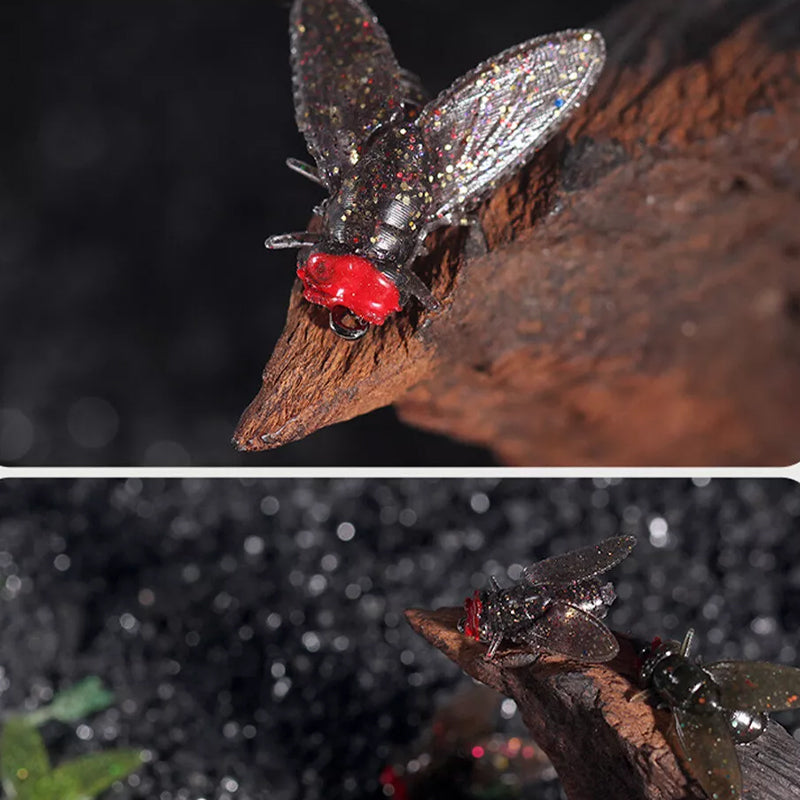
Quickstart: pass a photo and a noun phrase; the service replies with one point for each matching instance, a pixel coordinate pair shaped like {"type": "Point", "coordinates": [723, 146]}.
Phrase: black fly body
{"type": "Point", "coordinates": [715, 706]}
{"type": "Point", "coordinates": [555, 607]}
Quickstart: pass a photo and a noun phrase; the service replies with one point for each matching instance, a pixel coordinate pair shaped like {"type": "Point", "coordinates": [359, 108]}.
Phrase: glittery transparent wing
{"type": "Point", "coordinates": [570, 631]}
{"type": "Point", "coordinates": [709, 753]}
{"type": "Point", "coordinates": [756, 685]}
{"type": "Point", "coordinates": [580, 565]}
{"type": "Point", "coordinates": [492, 120]}
{"type": "Point", "coordinates": [346, 79]}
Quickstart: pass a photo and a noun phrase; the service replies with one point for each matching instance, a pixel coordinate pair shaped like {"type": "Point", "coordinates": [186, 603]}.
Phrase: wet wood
{"type": "Point", "coordinates": [640, 303]}
{"type": "Point", "coordinates": [602, 741]}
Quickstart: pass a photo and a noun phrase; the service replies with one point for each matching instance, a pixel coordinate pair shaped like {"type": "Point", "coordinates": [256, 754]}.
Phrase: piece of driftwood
{"type": "Point", "coordinates": [600, 741]}
{"type": "Point", "coordinates": [640, 302]}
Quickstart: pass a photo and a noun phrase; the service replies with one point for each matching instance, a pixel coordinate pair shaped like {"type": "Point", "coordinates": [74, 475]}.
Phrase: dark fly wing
{"type": "Point", "coordinates": [756, 685]}
{"type": "Point", "coordinates": [346, 79]}
{"type": "Point", "coordinates": [492, 120]}
{"type": "Point", "coordinates": [571, 632]}
{"type": "Point", "coordinates": [580, 565]}
{"type": "Point", "coordinates": [709, 753]}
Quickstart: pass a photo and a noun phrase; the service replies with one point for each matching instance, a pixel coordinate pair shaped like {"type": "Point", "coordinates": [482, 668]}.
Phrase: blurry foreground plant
{"type": "Point", "coordinates": [24, 764]}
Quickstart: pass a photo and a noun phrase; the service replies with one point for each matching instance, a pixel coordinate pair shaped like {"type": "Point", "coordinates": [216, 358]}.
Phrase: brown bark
{"type": "Point", "coordinates": [601, 741]}
{"type": "Point", "coordinates": [640, 303]}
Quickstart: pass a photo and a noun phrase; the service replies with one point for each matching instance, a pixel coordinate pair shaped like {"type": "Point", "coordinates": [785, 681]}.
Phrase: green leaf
{"type": "Point", "coordinates": [83, 778]}
{"type": "Point", "coordinates": [77, 702]}
{"type": "Point", "coordinates": [23, 756]}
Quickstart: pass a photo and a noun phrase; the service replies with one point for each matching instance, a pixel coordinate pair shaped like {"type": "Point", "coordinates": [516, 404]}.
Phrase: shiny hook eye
{"type": "Point", "coordinates": [346, 324]}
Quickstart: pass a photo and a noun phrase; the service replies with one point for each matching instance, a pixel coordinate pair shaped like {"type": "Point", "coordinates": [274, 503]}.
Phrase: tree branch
{"type": "Point", "coordinates": [601, 743]}
{"type": "Point", "coordinates": [640, 303]}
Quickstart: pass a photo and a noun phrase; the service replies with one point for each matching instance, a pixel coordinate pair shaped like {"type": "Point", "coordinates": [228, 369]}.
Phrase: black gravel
{"type": "Point", "coordinates": [141, 167]}
{"type": "Point", "coordinates": [253, 630]}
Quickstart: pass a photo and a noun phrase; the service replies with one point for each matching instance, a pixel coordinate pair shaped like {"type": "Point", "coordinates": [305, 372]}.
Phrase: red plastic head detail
{"type": "Point", "coordinates": [473, 607]}
{"type": "Point", "coordinates": [655, 644]}
{"type": "Point", "coordinates": [350, 281]}
{"type": "Point", "coordinates": [389, 777]}
{"type": "Point", "coordinates": [647, 653]}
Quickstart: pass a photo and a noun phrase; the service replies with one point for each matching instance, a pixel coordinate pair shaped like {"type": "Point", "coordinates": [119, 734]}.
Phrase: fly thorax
{"type": "Point", "coordinates": [705, 697]}
{"type": "Point", "coordinates": [685, 685]}
{"type": "Point", "coordinates": [384, 200]}
{"type": "Point", "coordinates": [535, 604]}
{"type": "Point", "coordinates": [507, 610]}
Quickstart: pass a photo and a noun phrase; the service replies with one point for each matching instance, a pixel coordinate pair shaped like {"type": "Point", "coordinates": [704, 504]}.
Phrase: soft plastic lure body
{"type": "Point", "coordinates": [715, 706]}
{"type": "Point", "coordinates": [556, 607]}
{"type": "Point", "coordinates": [397, 167]}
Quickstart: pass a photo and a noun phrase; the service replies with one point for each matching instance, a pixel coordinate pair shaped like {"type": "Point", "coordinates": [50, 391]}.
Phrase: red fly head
{"type": "Point", "coordinates": [655, 653]}
{"type": "Point", "coordinates": [655, 644]}
{"type": "Point", "coordinates": [352, 282]}
{"type": "Point", "coordinates": [390, 777]}
{"type": "Point", "coordinates": [645, 653]}
{"type": "Point", "coordinates": [473, 606]}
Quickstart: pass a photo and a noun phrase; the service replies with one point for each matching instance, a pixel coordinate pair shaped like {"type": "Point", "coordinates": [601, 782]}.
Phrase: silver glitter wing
{"type": "Point", "coordinates": [346, 80]}
{"type": "Point", "coordinates": [569, 631]}
{"type": "Point", "coordinates": [710, 754]}
{"type": "Point", "coordinates": [756, 685]}
{"type": "Point", "coordinates": [580, 565]}
{"type": "Point", "coordinates": [492, 120]}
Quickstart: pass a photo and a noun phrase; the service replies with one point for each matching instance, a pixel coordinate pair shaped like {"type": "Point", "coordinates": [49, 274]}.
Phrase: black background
{"type": "Point", "coordinates": [141, 167]}
{"type": "Point", "coordinates": [195, 663]}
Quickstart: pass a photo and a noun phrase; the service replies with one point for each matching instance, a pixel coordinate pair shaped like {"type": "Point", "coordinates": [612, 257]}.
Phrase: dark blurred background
{"type": "Point", "coordinates": [141, 167]}
{"type": "Point", "coordinates": [253, 630]}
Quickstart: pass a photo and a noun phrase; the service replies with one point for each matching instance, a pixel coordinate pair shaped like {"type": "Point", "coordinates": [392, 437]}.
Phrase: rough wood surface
{"type": "Point", "coordinates": [600, 743]}
{"type": "Point", "coordinates": [640, 303]}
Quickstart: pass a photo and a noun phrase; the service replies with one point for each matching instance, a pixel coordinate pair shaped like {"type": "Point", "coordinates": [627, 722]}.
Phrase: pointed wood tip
{"type": "Point", "coordinates": [315, 378]}
{"type": "Point", "coordinates": [440, 628]}
{"type": "Point", "coordinates": [255, 432]}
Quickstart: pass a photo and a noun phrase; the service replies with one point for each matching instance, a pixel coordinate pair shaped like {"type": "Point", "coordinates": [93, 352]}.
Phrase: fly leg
{"type": "Point", "coordinates": [414, 285]}
{"type": "Point", "coordinates": [516, 660]}
{"type": "Point", "coordinates": [513, 659]}
{"type": "Point", "coordinates": [306, 170]}
{"type": "Point", "coordinates": [493, 647]}
{"type": "Point", "coordinates": [281, 241]}
{"type": "Point", "coordinates": [409, 283]}
{"type": "Point", "coordinates": [476, 245]}
{"type": "Point", "coordinates": [310, 172]}
{"type": "Point", "coordinates": [644, 696]}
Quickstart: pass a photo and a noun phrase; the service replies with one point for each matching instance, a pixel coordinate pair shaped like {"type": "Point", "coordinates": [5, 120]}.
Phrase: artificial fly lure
{"type": "Point", "coordinates": [715, 706]}
{"type": "Point", "coordinates": [397, 167]}
{"type": "Point", "coordinates": [555, 607]}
